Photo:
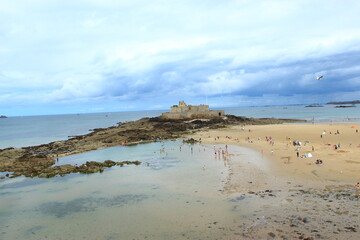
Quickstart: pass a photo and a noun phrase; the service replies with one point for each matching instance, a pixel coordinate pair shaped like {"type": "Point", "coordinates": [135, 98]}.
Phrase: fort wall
{"type": "Point", "coordinates": [183, 110]}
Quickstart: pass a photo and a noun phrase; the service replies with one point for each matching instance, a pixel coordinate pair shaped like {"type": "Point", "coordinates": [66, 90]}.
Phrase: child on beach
{"type": "Point", "coordinates": [357, 186]}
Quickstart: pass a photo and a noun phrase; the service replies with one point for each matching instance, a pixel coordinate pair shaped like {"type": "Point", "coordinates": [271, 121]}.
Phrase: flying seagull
{"type": "Point", "coordinates": [320, 77]}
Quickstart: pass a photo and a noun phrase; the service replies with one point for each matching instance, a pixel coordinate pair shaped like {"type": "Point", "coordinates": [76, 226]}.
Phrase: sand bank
{"type": "Point", "coordinates": [293, 197]}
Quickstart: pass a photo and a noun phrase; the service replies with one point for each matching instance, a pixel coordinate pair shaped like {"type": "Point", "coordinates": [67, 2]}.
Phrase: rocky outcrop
{"type": "Point", "coordinates": [46, 170]}
{"type": "Point", "coordinates": [190, 141]}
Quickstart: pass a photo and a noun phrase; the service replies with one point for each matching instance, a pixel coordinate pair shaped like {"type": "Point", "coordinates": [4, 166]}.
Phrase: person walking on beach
{"type": "Point", "coordinates": [297, 154]}
{"type": "Point", "coordinates": [357, 185]}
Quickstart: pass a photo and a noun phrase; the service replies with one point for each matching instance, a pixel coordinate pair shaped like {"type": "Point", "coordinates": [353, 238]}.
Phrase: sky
{"type": "Point", "coordinates": [125, 55]}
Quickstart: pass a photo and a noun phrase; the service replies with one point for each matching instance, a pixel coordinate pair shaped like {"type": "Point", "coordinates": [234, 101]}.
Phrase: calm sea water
{"type": "Point", "coordinates": [327, 113]}
{"type": "Point", "coordinates": [34, 130]}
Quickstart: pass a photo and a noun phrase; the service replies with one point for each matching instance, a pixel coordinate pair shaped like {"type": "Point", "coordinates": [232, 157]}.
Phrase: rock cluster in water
{"type": "Point", "coordinates": [190, 141]}
{"type": "Point", "coordinates": [46, 171]}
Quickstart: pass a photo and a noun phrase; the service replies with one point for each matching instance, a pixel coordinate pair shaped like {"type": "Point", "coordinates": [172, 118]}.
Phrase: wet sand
{"type": "Point", "coordinates": [293, 197]}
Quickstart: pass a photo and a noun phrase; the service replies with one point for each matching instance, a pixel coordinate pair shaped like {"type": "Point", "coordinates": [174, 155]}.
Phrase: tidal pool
{"type": "Point", "coordinates": [176, 193]}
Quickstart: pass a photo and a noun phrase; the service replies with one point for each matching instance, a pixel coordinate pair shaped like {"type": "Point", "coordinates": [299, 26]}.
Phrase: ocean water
{"type": "Point", "coordinates": [35, 130]}
{"type": "Point", "coordinates": [327, 113]}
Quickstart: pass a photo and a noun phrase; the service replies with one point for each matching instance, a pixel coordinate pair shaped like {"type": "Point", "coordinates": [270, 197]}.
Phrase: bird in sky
{"type": "Point", "coordinates": [319, 77]}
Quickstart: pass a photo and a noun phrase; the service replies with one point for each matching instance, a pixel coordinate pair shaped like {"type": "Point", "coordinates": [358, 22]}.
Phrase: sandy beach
{"type": "Point", "coordinates": [293, 197]}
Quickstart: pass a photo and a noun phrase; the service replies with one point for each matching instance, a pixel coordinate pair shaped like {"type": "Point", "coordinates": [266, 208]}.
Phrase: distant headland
{"type": "Point", "coordinates": [2, 116]}
{"type": "Point", "coordinates": [345, 102]}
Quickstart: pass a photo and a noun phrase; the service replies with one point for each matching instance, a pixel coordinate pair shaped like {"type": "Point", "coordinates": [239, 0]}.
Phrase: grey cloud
{"type": "Point", "coordinates": [191, 77]}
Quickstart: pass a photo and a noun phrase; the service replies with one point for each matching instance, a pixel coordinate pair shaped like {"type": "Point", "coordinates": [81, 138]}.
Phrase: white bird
{"type": "Point", "coordinates": [320, 77]}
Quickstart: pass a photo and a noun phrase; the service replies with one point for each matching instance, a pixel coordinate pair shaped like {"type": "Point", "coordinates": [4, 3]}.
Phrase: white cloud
{"type": "Point", "coordinates": [226, 82]}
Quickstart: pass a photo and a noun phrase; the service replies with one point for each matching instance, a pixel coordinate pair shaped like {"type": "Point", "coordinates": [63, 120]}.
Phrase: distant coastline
{"type": "Point", "coordinates": [2, 116]}
{"type": "Point", "coordinates": [345, 106]}
{"type": "Point", "coordinates": [345, 102]}
{"type": "Point", "coordinates": [314, 105]}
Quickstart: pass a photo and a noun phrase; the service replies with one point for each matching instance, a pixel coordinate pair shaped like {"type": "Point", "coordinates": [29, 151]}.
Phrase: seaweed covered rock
{"type": "Point", "coordinates": [109, 163]}
{"type": "Point", "coordinates": [190, 141]}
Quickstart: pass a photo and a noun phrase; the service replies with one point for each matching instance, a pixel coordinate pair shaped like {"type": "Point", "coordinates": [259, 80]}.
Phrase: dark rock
{"type": "Point", "coordinates": [109, 163]}
{"type": "Point", "coordinates": [272, 235]}
{"type": "Point", "coordinates": [350, 229]}
{"type": "Point", "coordinates": [190, 141]}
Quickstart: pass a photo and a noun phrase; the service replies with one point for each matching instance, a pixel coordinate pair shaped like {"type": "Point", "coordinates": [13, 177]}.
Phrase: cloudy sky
{"type": "Point", "coordinates": [123, 55]}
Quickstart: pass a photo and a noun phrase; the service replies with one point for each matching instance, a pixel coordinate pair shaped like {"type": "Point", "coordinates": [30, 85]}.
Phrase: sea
{"type": "Point", "coordinates": [176, 193]}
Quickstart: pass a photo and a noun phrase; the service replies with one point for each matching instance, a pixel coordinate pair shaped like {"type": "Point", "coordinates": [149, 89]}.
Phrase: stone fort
{"type": "Point", "coordinates": [183, 111]}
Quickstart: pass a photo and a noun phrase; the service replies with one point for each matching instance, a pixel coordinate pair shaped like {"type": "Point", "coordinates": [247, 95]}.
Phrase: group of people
{"type": "Point", "coordinates": [319, 162]}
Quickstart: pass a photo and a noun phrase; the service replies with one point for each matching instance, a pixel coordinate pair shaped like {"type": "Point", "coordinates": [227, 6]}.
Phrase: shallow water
{"type": "Point", "coordinates": [175, 194]}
